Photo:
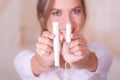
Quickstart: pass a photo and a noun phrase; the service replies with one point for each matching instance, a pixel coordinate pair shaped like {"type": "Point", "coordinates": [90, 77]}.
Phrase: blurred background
{"type": "Point", "coordinates": [19, 29]}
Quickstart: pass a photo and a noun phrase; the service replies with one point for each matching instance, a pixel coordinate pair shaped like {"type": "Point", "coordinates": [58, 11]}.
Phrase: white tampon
{"type": "Point", "coordinates": [56, 44]}
{"type": "Point", "coordinates": [68, 40]}
{"type": "Point", "coordinates": [68, 33]}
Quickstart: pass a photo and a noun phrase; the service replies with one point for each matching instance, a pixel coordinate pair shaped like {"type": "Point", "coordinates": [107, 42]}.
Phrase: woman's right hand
{"type": "Point", "coordinates": [44, 48]}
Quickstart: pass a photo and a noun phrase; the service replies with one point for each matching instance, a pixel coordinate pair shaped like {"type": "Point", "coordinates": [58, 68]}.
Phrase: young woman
{"type": "Point", "coordinates": [84, 62]}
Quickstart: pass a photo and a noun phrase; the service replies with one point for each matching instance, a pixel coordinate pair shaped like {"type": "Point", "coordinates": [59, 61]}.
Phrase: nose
{"type": "Point", "coordinates": [67, 19]}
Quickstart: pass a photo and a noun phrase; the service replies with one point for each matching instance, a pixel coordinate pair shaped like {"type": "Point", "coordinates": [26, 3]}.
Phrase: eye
{"type": "Point", "coordinates": [76, 11]}
{"type": "Point", "coordinates": [57, 13]}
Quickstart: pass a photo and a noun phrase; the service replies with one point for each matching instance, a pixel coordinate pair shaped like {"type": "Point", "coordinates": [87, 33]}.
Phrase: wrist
{"type": "Point", "coordinates": [89, 64]}
{"type": "Point", "coordinates": [38, 65]}
{"type": "Point", "coordinates": [81, 64]}
{"type": "Point", "coordinates": [35, 66]}
{"type": "Point", "coordinates": [92, 63]}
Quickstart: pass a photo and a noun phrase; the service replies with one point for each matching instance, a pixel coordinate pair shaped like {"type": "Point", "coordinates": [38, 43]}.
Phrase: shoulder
{"type": "Point", "coordinates": [100, 49]}
{"type": "Point", "coordinates": [104, 57]}
{"type": "Point", "coordinates": [22, 63]}
{"type": "Point", "coordinates": [25, 53]}
{"type": "Point", "coordinates": [98, 46]}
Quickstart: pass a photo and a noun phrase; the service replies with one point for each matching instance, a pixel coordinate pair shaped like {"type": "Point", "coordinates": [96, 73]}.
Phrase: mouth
{"type": "Point", "coordinates": [73, 30]}
{"type": "Point", "coordinates": [63, 31]}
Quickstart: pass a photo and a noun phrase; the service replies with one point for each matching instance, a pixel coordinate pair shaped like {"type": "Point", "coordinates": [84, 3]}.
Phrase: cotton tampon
{"type": "Point", "coordinates": [68, 40]}
{"type": "Point", "coordinates": [56, 44]}
{"type": "Point", "coordinates": [68, 33]}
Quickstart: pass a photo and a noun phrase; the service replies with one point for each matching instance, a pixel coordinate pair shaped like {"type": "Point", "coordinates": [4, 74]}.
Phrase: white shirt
{"type": "Point", "coordinates": [23, 67]}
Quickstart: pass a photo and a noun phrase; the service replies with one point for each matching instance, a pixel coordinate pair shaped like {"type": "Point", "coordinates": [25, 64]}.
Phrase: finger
{"type": "Point", "coordinates": [78, 53]}
{"type": "Point", "coordinates": [76, 36]}
{"type": "Point", "coordinates": [61, 39]}
{"type": "Point", "coordinates": [45, 55]}
{"type": "Point", "coordinates": [78, 42]}
{"type": "Point", "coordinates": [76, 48]}
{"type": "Point", "coordinates": [81, 53]}
{"type": "Point", "coordinates": [44, 47]}
{"type": "Point", "coordinates": [46, 41]}
{"type": "Point", "coordinates": [42, 52]}
{"type": "Point", "coordinates": [48, 35]}
{"type": "Point", "coordinates": [64, 49]}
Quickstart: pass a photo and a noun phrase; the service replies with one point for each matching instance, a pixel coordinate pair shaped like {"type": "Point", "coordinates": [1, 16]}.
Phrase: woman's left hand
{"type": "Point", "coordinates": [78, 53]}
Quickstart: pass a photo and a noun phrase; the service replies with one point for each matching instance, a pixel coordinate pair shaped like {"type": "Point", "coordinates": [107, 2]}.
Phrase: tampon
{"type": "Point", "coordinates": [68, 33]}
{"type": "Point", "coordinates": [56, 44]}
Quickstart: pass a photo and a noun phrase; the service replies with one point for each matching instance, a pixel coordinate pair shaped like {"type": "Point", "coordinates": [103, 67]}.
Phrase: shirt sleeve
{"type": "Point", "coordinates": [104, 57]}
{"type": "Point", "coordinates": [22, 64]}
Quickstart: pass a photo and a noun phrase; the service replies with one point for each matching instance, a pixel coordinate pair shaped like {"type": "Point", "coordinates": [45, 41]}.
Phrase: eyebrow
{"type": "Point", "coordinates": [56, 9]}
{"type": "Point", "coordinates": [61, 10]}
{"type": "Point", "coordinates": [77, 7]}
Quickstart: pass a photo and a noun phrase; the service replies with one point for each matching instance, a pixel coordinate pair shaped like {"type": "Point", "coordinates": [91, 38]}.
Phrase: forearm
{"type": "Point", "coordinates": [38, 65]}
{"type": "Point", "coordinates": [92, 63]}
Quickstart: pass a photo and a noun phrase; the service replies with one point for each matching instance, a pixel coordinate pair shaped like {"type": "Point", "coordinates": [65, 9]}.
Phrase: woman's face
{"type": "Point", "coordinates": [67, 11]}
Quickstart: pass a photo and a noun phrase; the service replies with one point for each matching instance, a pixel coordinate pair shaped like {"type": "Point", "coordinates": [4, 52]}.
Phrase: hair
{"type": "Point", "coordinates": [44, 8]}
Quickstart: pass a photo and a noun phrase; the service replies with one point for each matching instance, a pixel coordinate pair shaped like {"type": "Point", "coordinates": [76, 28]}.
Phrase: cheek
{"type": "Point", "coordinates": [49, 26]}
{"type": "Point", "coordinates": [78, 23]}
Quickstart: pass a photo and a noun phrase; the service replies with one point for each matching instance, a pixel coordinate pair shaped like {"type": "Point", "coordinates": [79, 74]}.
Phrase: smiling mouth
{"type": "Point", "coordinates": [64, 31]}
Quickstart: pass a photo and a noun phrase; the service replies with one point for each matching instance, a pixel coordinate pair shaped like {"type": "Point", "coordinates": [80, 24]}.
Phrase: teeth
{"type": "Point", "coordinates": [68, 33]}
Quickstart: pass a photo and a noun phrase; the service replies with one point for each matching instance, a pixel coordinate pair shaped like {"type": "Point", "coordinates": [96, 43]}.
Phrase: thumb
{"type": "Point", "coordinates": [64, 48]}
{"type": "Point", "coordinates": [65, 52]}
{"type": "Point", "coordinates": [61, 39]}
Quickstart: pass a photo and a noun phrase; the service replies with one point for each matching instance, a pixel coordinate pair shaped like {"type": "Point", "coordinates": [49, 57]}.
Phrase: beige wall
{"type": "Point", "coordinates": [9, 38]}
{"type": "Point", "coordinates": [29, 22]}
{"type": "Point", "coordinates": [103, 23]}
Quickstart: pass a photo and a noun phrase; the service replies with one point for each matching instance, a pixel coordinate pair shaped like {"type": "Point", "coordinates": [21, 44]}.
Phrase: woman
{"type": "Point", "coordinates": [84, 62]}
